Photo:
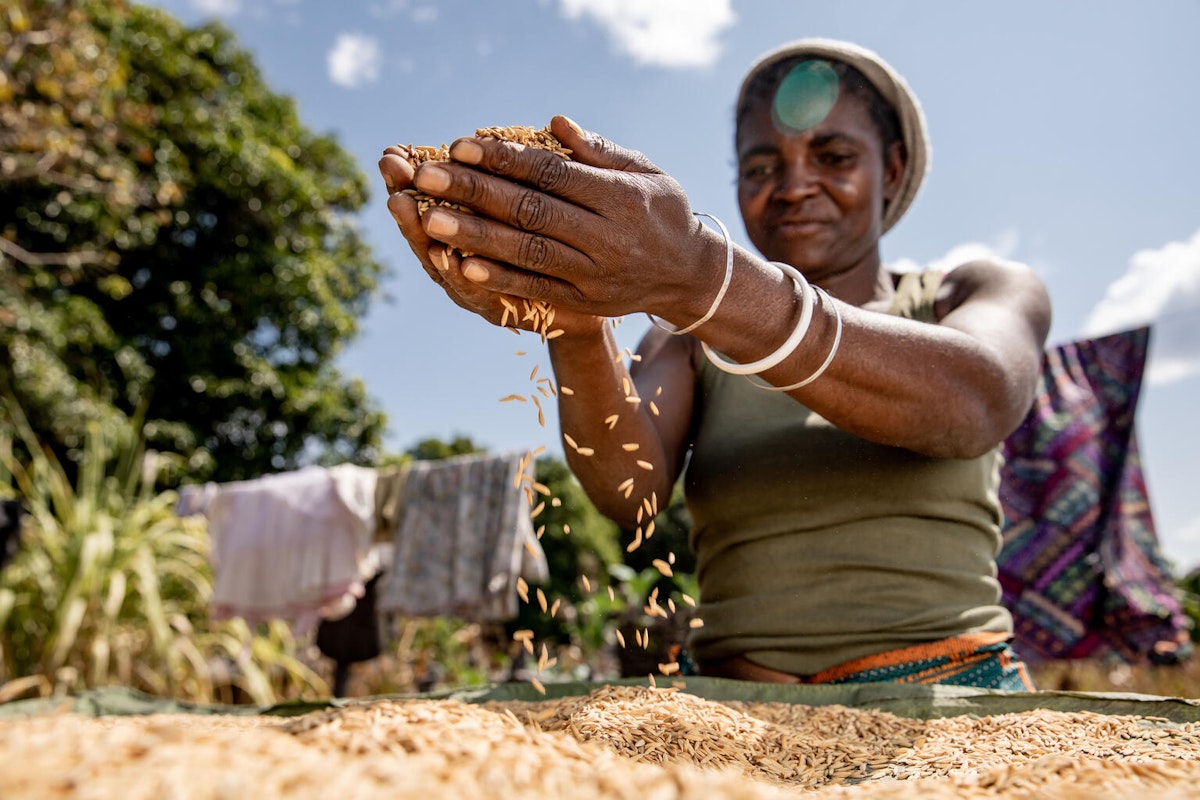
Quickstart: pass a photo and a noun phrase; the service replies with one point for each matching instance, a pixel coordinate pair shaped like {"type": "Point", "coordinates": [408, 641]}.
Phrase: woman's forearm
{"type": "Point", "coordinates": [611, 442]}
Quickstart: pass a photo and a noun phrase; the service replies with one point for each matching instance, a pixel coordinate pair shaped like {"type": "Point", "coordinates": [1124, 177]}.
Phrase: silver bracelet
{"type": "Point", "coordinates": [808, 298]}
{"type": "Point", "coordinates": [837, 341]}
{"type": "Point", "coordinates": [720, 293]}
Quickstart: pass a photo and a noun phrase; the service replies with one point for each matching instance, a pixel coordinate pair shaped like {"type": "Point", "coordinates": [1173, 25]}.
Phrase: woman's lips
{"type": "Point", "coordinates": [799, 226]}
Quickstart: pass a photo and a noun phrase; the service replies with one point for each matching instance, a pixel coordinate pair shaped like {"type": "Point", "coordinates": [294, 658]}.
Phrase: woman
{"type": "Point", "coordinates": [843, 439]}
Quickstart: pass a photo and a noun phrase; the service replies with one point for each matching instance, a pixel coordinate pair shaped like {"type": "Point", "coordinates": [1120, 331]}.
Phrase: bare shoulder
{"type": "Point", "coordinates": [996, 283]}
{"type": "Point", "coordinates": [989, 275]}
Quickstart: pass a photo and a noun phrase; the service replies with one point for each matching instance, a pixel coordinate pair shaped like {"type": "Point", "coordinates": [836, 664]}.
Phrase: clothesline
{"type": "Point", "coordinates": [448, 537]}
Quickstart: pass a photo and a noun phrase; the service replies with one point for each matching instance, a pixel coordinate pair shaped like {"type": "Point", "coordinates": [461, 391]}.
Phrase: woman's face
{"type": "Point", "coordinates": [814, 199]}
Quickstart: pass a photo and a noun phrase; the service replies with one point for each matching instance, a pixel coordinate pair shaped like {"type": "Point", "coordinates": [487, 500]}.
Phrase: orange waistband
{"type": "Point", "coordinates": [741, 668]}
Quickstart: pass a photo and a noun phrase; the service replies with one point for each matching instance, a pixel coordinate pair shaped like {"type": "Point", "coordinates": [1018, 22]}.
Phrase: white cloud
{"type": "Point", "coordinates": [354, 60]}
{"type": "Point", "coordinates": [1003, 248]}
{"type": "Point", "coordinates": [425, 15]}
{"type": "Point", "coordinates": [1161, 286]}
{"type": "Point", "coordinates": [663, 33]}
{"type": "Point", "coordinates": [218, 8]}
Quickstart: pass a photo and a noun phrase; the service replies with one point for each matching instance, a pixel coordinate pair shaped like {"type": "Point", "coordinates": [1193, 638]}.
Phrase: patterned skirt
{"type": "Point", "coordinates": [981, 660]}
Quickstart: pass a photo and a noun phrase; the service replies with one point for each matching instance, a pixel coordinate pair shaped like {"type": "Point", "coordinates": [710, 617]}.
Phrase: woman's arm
{"type": "Point", "coordinates": [955, 389]}
{"type": "Point", "coordinates": [609, 234]}
{"type": "Point", "coordinates": [624, 431]}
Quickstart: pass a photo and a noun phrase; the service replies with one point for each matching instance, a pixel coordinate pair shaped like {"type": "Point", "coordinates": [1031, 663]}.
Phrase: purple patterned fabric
{"type": "Point", "coordinates": [1080, 565]}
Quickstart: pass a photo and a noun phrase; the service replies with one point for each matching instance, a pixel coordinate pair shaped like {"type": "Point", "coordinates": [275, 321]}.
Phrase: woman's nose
{"type": "Point", "coordinates": [798, 180]}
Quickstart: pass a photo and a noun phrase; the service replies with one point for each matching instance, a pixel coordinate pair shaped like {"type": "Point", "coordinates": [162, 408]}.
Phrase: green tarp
{"type": "Point", "coordinates": [920, 702]}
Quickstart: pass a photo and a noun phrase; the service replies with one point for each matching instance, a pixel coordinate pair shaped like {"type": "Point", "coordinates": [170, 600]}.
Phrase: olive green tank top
{"type": "Point", "coordinates": [815, 547]}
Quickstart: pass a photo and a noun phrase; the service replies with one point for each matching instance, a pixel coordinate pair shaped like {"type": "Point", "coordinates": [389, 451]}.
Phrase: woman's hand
{"type": "Point", "coordinates": [605, 233]}
{"type": "Point", "coordinates": [446, 267]}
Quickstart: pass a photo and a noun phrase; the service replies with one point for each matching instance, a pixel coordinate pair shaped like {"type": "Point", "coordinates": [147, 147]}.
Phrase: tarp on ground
{"type": "Point", "coordinates": [918, 702]}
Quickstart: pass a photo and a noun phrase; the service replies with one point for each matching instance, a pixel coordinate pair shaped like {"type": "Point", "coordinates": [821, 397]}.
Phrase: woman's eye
{"type": "Point", "coordinates": [836, 159]}
{"type": "Point", "coordinates": [756, 172]}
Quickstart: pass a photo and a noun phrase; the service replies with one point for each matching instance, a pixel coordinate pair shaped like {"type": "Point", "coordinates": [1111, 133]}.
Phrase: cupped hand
{"type": "Point", "coordinates": [605, 233]}
{"type": "Point", "coordinates": [446, 267]}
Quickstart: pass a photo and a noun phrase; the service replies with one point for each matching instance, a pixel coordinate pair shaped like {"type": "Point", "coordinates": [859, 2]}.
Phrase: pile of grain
{"type": "Point", "coordinates": [617, 742]}
{"type": "Point", "coordinates": [416, 154]}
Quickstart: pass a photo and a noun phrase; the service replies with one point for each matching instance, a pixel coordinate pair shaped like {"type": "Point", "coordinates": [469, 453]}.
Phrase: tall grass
{"type": "Point", "coordinates": [111, 587]}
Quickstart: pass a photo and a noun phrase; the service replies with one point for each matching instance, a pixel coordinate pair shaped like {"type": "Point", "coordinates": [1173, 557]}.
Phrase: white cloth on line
{"type": "Point", "coordinates": [294, 546]}
{"type": "Point", "coordinates": [462, 536]}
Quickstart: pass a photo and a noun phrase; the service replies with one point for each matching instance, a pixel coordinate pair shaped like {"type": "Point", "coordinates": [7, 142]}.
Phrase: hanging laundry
{"type": "Point", "coordinates": [462, 535]}
{"type": "Point", "coordinates": [1080, 567]}
{"type": "Point", "coordinates": [294, 546]}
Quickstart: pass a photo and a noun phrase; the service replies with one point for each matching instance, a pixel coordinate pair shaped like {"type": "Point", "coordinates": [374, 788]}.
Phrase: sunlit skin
{"type": "Point", "coordinates": [815, 199]}
{"type": "Point", "coordinates": [609, 234]}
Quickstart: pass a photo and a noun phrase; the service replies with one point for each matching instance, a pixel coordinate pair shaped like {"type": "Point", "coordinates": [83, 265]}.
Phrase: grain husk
{"type": "Point", "coordinates": [615, 742]}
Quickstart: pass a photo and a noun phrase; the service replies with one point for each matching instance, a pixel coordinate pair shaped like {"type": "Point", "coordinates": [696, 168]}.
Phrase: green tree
{"type": "Point", "coordinates": [174, 242]}
{"type": "Point", "coordinates": [433, 449]}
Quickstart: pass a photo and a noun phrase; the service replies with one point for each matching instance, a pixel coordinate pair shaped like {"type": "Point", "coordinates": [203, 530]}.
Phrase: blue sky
{"type": "Point", "coordinates": [1064, 136]}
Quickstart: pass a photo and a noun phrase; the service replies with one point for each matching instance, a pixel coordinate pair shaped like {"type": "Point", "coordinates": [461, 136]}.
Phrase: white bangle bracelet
{"type": "Point", "coordinates": [837, 341]}
{"type": "Point", "coordinates": [807, 298]}
{"type": "Point", "coordinates": [720, 292]}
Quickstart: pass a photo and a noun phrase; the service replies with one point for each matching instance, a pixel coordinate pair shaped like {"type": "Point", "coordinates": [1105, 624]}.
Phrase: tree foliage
{"type": "Point", "coordinates": [174, 242]}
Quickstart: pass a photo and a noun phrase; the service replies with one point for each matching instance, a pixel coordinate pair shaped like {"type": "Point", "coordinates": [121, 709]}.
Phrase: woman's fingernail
{"type": "Point", "coordinates": [573, 126]}
{"type": "Point", "coordinates": [467, 151]}
{"type": "Point", "coordinates": [474, 271]}
{"type": "Point", "coordinates": [394, 204]}
{"type": "Point", "coordinates": [432, 178]}
{"type": "Point", "coordinates": [439, 256]}
{"type": "Point", "coordinates": [440, 223]}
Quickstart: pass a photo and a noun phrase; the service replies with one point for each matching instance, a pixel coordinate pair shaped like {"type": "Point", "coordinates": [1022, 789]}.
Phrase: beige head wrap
{"type": "Point", "coordinates": [893, 88]}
